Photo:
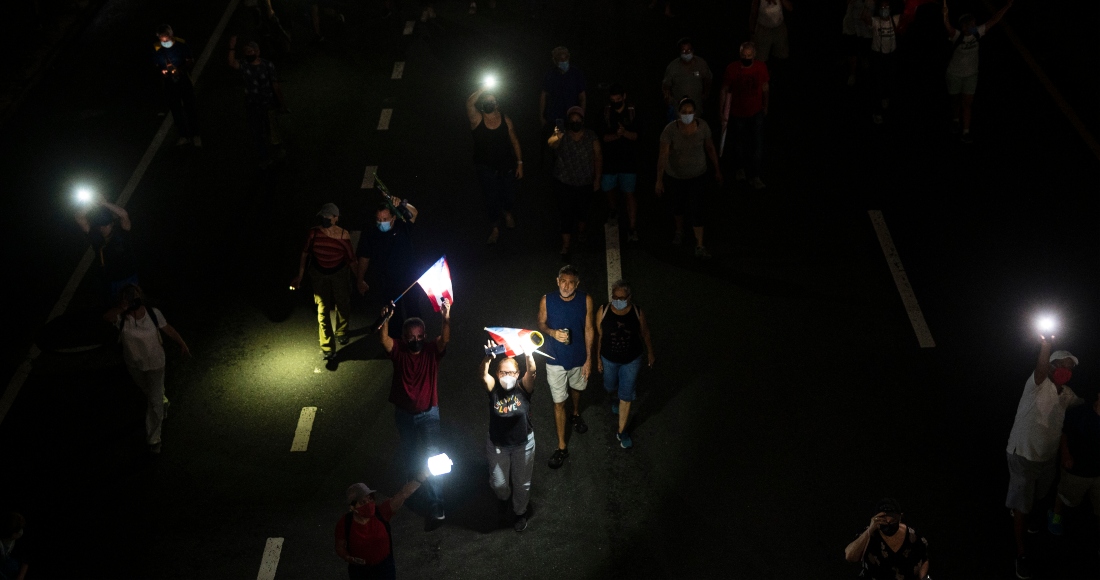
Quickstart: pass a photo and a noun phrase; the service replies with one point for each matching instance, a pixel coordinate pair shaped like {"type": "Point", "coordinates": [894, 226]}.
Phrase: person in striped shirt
{"type": "Point", "coordinates": [332, 264]}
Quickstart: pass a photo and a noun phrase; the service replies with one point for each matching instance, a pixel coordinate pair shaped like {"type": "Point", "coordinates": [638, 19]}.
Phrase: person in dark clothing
{"type": "Point", "coordinates": [624, 333]}
{"type": "Point", "coordinates": [889, 549]}
{"type": "Point", "coordinates": [173, 59]}
{"type": "Point", "coordinates": [511, 444]}
{"type": "Point", "coordinates": [1080, 450]}
{"type": "Point", "coordinates": [263, 99]}
{"type": "Point", "coordinates": [108, 229]}
{"type": "Point", "coordinates": [386, 251]}
{"type": "Point", "coordinates": [13, 560]}
{"type": "Point", "coordinates": [331, 263]}
{"type": "Point", "coordinates": [562, 89]}
{"type": "Point", "coordinates": [619, 130]}
{"type": "Point", "coordinates": [498, 159]}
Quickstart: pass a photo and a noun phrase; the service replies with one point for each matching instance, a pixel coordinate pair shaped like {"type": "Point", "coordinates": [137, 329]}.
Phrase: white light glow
{"type": "Point", "coordinates": [440, 464]}
{"type": "Point", "coordinates": [84, 195]}
{"type": "Point", "coordinates": [1046, 324]}
{"type": "Point", "coordinates": [489, 82]}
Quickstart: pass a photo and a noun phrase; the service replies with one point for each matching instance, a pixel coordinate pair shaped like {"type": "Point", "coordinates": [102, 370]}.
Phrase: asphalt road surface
{"type": "Point", "coordinates": [789, 394]}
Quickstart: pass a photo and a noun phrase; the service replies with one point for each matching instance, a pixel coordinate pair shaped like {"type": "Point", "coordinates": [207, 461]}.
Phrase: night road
{"type": "Point", "coordinates": [862, 328]}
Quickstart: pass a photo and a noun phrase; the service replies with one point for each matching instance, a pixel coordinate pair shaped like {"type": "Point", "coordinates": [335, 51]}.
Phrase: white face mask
{"type": "Point", "coordinates": [166, 43]}
{"type": "Point", "coordinates": [687, 119]}
{"type": "Point", "coordinates": [508, 382]}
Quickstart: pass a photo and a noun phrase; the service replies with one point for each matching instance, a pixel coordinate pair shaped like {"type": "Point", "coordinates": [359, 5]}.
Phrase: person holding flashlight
{"type": "Point", "coordinates": [498, 160]}
{"type": "Point", "coordinates": [414, 392]}
{"type": "Point", "coordinates": [889, 549]}
{"type": "Point", "coordinates": [511, 443]}
{"type": "Point", "coordinates": [1033, 444]}
{"type": "Point", "coordinates": [108, 229]}
{"type": "Point", "coordinates": [173, 59]}
{"type": "Point", "coordinates": [363, 536]}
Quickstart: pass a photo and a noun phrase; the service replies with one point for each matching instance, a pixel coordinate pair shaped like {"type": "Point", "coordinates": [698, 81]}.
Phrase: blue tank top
{"type": "Point", "coordinates": [560, 315]}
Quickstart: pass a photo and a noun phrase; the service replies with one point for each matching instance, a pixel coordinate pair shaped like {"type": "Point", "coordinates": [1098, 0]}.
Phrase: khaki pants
{"type": "Point", "coordinates": [331, 292]}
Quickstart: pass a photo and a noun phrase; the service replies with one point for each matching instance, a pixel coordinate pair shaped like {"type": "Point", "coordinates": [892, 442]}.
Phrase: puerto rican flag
{"type": "Point", "coordinates": [436, 283]}
{"type": "Point", "coordinates": [515, 340]}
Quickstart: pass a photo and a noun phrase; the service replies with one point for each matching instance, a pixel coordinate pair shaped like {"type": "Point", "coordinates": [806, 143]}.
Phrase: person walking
{"type": "Point", "coordinates": [510, 446]}
{"type": "Point", "coordinates": [577, 166]}
{"type": "Point", "coordinates": [332, 263]}
{"type": "Point", "coordinates": [884, 62]}
{"type": "Point", "coordinates": [1033, 443]}
{"type": "Point", "coordinates": [140, 327]}
{"type": "Point", "coordinates": [686, 144]}
{"type": "Point", "coordinates": [364, 538]}
{"type": "Point", "coordinates": [688, 76]}
{"type": "Point", "coordinates": [263, 100]}
{"type": "Point", "coordinates": [623, 332]}
{"type": "Point", "coordinates": [107, 227]}
{"type": "Point", "coordinates": [563, 88]}
{"type": "Point", "coordinates": [856, 29]}
{"type": "Point", "coordinates": [962, 70]}
{"type": "Point", "coordinates": [768, 29]}
{"type": "Point", "coordinates": [745, 94]}
{"type": "Point", "coordinates": [498, 159]}
{"type": "Point", "coordinates": [414, 392]}
{"type": "Point", "coordinates": [889, 549]}
{"type": "Point", "coordinates": [563, 317]}
{"type": "Point", "coordinates": [1080, 446]}
{"type": "Point", "coordinates": [386, 253]}
{"type": "Point", "coordinates": [619, 129]}
{"type": "Point", "coordinates": [174, 61]}
{"type": "Point", "coordinates": [13, 562]}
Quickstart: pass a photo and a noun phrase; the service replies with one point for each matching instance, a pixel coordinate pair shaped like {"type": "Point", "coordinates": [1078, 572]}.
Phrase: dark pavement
{"type": "Point", "coordinates": [789, 393]}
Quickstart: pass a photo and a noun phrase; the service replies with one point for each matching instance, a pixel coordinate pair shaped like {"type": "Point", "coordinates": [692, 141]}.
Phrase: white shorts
{"type": "Point", "coordinates": [562, 380]}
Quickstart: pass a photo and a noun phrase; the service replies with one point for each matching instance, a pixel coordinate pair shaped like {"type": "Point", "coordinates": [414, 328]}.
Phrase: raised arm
{"type": "Point", "coordinates": [410, 488]}
{"type": "Point", "coordinates": [1042, 367]}
{"type": "Point", "coordinates": [947, 21]}
{"type": "Point", "coordinates": [123, 217]}
{"type": "Point", "coordinates": [997, 16]}
{"type": "Point", "coordinates": [529, 374]}
{"type": "Point", "coordinates": [445, 334]}
{"type": "Point", "coordinates": [472, 113]}
{"type": "Point", "coordinates": [582, 100]}
{"type": "Point", "coordinates": [854, 552]}
{"type": "Point", "coordinates": [487, 378]}
{"type": "Point", "coordinates": [753, 12]}
{"type": "Point", "coordinates": [232, 59]}
{"type": "Point", "coordinates": [384, 330]}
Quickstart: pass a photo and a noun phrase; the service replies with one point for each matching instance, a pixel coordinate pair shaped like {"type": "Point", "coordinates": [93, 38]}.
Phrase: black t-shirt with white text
{"type": "Point", "coordinates": [509, 415]}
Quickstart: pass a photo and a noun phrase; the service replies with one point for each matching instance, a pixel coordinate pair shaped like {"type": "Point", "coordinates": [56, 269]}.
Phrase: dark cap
{"type": "Point", "coordinates": [888, 506]}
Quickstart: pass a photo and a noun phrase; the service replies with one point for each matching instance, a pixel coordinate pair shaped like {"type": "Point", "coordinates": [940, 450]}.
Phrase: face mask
{"type": "Point", "coordinates": [326, 222]}
{"type": "Point", "coordinates": [972, 31]}
{"type": "Point", "coordinates": [890, 529]}
{"type": "Point", "coordinates": [166, 43]}
{"type": "Point", "coordinates": [385, 226]}
{"type": "Point", "coordinates": [884, 13]}
{"type": "Point", "coordinates": [687, 57]}
{"type": "Point", "coordinates": [618, 304]}
{"type": "Point", "coordinates": [746, 62]}
{"type": "Point", "coordinates": [564, 66]}
{"type": "Point", "coordinates": [488, 108]}
{"type": "Point", "coordinates": [366, 510]}
{"type": "Point", "coordinates": [508, 382]}
{"type": "Point", "coordinates": [687, 119]}
{"type": "Point", "coordinates": [416, 345]}
{"type": "Point", "coordinates": [575, 126]}
{"type": "Point", "coordinates": [1061, 376]}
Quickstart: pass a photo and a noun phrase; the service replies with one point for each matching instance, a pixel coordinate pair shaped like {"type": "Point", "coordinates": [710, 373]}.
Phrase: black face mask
{"type": "Point", "coordinates": [488, 108]}
{"type": "Point", "coordinates": [135, 304]}
{"type": "Point", "coordinates": [619, 105]}
{"type": "Point", "coordinates": [746, 62]}
{"type": "Point", "coordinates": [575, 126]}
{"type": "Point", "coordinates": [890, 530]}
{"type": "Point", "coordinates": [416, 345]}
{"type": "Point", "coordinates": [326, 222]}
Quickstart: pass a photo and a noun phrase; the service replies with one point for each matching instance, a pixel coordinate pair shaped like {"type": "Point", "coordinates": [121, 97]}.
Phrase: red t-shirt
{"type": "Point", "coordinates": [746, 88]}
{"type": "Point", "coordinates": [368, 541]}
{"type": "Point", "coordinates": [415, 377]}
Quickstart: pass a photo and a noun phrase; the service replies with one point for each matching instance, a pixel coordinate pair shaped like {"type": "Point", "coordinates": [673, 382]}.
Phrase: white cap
{"type": "Point", "coordinates": [1061, 354]}
{"type": "Point", "coordinates": [358, 491]}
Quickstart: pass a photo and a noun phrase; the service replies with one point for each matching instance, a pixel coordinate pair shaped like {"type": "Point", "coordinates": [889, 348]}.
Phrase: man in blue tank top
{"type": "Point", "coordinates": [563, 317]}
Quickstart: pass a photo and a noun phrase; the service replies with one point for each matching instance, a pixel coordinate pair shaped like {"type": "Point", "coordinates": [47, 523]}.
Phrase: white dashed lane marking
{"type": "Point", "coordinates": [305, 425]}
{"type": "Point", "coordinates": [270, 562]}
{"type": "Point", "coordinates": [908, 297]}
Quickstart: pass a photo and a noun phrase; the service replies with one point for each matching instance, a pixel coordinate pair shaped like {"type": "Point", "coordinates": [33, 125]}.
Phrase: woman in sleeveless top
{"type": "Point", "coordinates": [498, 159]}
{"type": "Point", "coordinates": [623, 333]}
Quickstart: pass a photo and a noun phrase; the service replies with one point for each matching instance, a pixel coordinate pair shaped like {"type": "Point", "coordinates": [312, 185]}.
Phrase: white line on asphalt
{"type": "Point", "coordinates": [368, 177]}
{"type": "Point", "coordinates": [908, 297]}
{"type": "Point", "coordinates": [384, 119]}
{"type": "Point", "coordinates": [272, 549]}
{"type": "Point", "coordinates": [409, 27]}
{"type": "Point", "coordinates": [614, 264]}
{"type": "Point", "coordinates": [398, 70]}
{"type": "Point", "coordinates": [305, 425]}
{"type": "Point", "coordinates": [21, 374]}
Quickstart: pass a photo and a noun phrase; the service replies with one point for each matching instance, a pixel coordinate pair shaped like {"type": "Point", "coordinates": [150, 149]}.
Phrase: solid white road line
{"type": "Point", "coordinates": [409, 27]}
{"type": "Point", "coordinates": [20, 377]}
{"type": "Point", "coordinates": [916, 317]}
{"type": "Point", "coordinates": [368, 177]}
{"type": "Point", "coordinates": [614, 263]}
{"type": "Point", "coordinates": [398, 70]}
{"type": "Point", "coordinates": [305, 425]}
{"type": "Point", "coordinates": [270, 562]}
{"type": "Point", "coordinates": [384, 119]}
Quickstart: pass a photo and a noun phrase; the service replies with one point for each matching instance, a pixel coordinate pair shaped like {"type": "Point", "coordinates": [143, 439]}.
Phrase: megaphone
{"type": "Point", "coordinates": [511, 341]}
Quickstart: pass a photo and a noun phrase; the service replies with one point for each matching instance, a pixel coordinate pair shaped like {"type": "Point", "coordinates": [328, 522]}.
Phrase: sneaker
{"type": "Point", "coordinates": [757, 183]}
{"type": "Point", "coordinates": [521, 522]}
{"type": "Point", "coordinates": [1023, 567]}
{"type": "Point", "coordinates": [1054, 523]}
{"type": "Point", "coordinates": [633, 236]}
{"type": "Point", "coordinates": [328, 355]}
{"type": "Point", "coordinates": [182, 141]}
{"type": "Point", "coordinates": [509, 221]}
{"type": "Point", "coordinates": [966, 138]}
{"type": "Point", "coordinates": [493, 237]}
{"type": "Point", "coordinates": [578, 424]}
{"type": "Point", "coordinates": [614, 408]}
{"type": "Point", "coordinates": [739, 175]}
{"type": "Point", "coordinates": [437, 513]}
{"type": "Point", "coordinates": [558, 458]}
{"type": "Point", "coordinates": [678, 238]}
{"type": "Point", "coordinates": [503, 505]}
{"type": "Point", "coordinates": [154, 448]}
{"type": "Point", "coordinates": [701, 252]}
{"type": "Point", "coordinates": [473, 8]}
{"type": "Point", "coordinates": [197, 141]}
{"type": "Point", "coordinates": [624, 440]}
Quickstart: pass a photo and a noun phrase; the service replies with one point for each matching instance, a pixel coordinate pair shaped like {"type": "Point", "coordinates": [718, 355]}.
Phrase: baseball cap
{"type": "Point", "coordinates": [358, 491]}
{"type": "Point", "coordinates": [329, 210]}
{"type": "Point", "coordinates": [1061, 354]}
{"type": "Point", "coordinates": [576, 110]}
{"type": "Point", "coordinates": [888, 506]}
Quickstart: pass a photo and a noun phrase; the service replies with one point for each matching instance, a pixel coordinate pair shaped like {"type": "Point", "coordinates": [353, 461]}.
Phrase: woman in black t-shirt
{"type": "Point", "coordinates": [511, 443]}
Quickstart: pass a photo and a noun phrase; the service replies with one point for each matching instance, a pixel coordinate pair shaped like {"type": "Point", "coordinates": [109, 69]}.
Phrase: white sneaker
{"type": "Point", "coordinates": [756, 183]}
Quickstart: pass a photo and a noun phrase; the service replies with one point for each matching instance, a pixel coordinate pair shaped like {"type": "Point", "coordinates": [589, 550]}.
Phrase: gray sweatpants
{"type": "Point", "coordinates": [510, 470]}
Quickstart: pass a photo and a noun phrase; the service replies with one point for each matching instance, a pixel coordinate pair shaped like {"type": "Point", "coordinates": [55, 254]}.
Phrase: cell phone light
{"type": "Point", "coordinates": [1045, 324]}
{"type": "Point", "coordinates": [489, 82]}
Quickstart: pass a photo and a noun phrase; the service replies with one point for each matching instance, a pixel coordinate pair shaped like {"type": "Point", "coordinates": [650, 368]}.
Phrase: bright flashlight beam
{"type": "Point", "coordinates": [489, 81]}
{"type": "Point", "coordinates": [440, 464]}
{"type": "Point", "coordinates": [1045, 324]}
{"type": "Point", "coordinates": [84, 195]}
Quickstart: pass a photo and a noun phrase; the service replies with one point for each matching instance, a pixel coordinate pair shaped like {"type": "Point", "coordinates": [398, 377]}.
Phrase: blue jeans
{"type": "Point", "coordinates": [748, 135]}
{"type": "Point", "coordinates": [621, 378]}
{"type": "Point", "coordinates": [419, 433]}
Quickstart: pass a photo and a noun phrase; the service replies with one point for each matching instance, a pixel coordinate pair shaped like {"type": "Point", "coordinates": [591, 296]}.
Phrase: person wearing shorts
{"type": "Point", "coordinates": [1080, 462]}
{"type": "Point", "coordinates": [962, 70]}
{"type": "Point", "coordinates": [565, 318]}
{"type": "Point", "coordinates": [857, 34]}
{"type": "Point", "coordinates": [1033, 443]}
{"type": "Point", "coordinates": [685, 146]}
{"type": "Point", "coordinates": [769, 30]}
{"type": "Point", "coordinates": [619, 130]}
{"type": "Point", "coordinates": [623, 334]}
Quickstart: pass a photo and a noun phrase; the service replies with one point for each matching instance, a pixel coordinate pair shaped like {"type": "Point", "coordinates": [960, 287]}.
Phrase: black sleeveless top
{"type": "Point", "coordinates": [493, 147]}
{"type": "Point", "coordinates": [622, 336]}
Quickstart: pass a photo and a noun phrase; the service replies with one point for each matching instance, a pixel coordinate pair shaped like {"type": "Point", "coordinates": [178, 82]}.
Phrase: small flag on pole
{"type": "Point", "coordinates": [513, 341]}
{"type": "Point", "coordinates": [436, 283]}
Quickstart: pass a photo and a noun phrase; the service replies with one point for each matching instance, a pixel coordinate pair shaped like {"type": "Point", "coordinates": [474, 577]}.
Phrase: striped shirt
{"type": "Point", "coordinates": [329, 254]}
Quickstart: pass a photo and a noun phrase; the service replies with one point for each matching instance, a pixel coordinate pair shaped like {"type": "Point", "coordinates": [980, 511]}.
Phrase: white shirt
{"type": "Point", "coordinates": [141, 342]}
{"type": "Point", "coordinates": [770, 15]}
{"type": "Point", "coordinates": [1037, 430]}
{"type": "Point", "coordinates": [964, 58]}
{"type": "Point", "coordinates": [884, 34]}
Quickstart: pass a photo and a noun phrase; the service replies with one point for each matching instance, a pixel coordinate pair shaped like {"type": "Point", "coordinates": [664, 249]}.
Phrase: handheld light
{"type": "Point", "coordinates": [1046, 324]}
{"type": "Point", "coordinates": [489, 82]}
{"type": "Point", "coordinates": [84, 195]}
{"type": "Point", "coordinates": [439, 464]}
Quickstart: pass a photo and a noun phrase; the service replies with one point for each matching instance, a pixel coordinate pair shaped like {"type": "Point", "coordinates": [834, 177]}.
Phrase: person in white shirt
{"type": "Point", "coordinates": [139, 330]}
{"type": "Point", "coordinates": [884, 46]}
{"type": "Point", "coordinates": [962, 70]}
{"type": "Point", "coordinates": [1034, 441]}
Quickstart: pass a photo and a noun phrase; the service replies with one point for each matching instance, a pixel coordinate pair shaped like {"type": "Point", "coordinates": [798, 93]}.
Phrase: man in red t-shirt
{"type": "Point", "coordinates": [414, 393]}
{"type": "Point", "coordinates": [744, 98]}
